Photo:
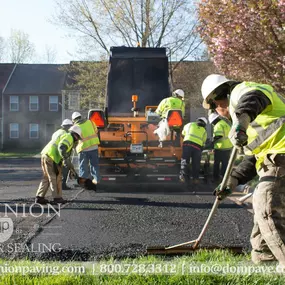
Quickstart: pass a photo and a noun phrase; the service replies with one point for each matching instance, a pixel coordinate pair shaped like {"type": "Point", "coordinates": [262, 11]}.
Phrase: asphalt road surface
{"type": "Point", "coordinates": [119, 220]}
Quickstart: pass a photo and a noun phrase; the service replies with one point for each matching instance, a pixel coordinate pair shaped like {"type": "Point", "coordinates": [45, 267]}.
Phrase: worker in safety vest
{"type": "Point", "coordinates": [54, 154]}
{"type": "Point", "coordinates": [195, 136]}
{"type": "Point", "coordinates": [258, 117]}
{"type": "Point", "coordinates": [221, 144]}
{"type": "Point", "coordinates": [65, 125]}
{"type": "Point", "coordinates": [175, 102]}
{"type": "Point", "coordinates": [87, 150]}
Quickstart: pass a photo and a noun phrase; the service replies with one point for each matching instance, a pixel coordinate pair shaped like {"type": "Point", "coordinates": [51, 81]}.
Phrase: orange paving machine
{"type": "Point", "coordinates": [138, 79]}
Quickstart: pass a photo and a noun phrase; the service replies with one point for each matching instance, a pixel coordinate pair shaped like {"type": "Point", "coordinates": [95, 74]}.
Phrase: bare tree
{"type": "Point", "coordinates": [2, 49]}
{"type": "Point", "coordinates": [49, 54]}
{"type": "Point", "coordinates": [20, 48]}
{"type": "Point", "coordinates": [148, 23]}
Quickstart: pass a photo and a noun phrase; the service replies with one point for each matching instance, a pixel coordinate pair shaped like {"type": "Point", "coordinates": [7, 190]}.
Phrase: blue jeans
{"type": "Point", "coordinates": [89, 164]}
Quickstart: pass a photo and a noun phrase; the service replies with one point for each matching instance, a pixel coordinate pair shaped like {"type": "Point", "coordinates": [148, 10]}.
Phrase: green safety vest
{"type": "Point", "coordinates": [194, 133]}
{"type": "Point", "coordinates": [222, 128]}
{"type": "Point", "coordinates": [89, 137]}
{"type": "Point", "coordinates": [51, 149]}
{"type": "Point", "coordinates": [68, 140]}
{"type": "Point", "coordinates": [266, 134]}
{"type": "Point", "coordinates": [58, 133]}
{"type": "Point", "coordinates": [170, 103]}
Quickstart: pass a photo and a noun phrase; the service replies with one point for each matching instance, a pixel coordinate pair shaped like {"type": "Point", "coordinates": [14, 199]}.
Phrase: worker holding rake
{"type": "Point", "coordinates": [258, 126]}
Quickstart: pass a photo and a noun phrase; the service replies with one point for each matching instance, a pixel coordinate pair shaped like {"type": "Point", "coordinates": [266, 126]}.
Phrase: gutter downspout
{"type": "Point", "coordinates": [2, 121]}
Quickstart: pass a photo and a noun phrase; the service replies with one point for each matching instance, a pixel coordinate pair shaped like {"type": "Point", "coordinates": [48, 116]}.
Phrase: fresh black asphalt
{"type": "Point", "coordinates": [123, 220]}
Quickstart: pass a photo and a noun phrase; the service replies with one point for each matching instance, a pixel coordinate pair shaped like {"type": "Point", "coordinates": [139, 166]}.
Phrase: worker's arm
{"type": "Point", "coordinates": [62, 148]}
{"type": "Point", "coordinates": [218, 132]}
{"type": "Point", "coordinates": [160, 107]}
{"type": "Point", "coordinates": [249, 106]}
{"type": "Point", "coordinates": [252, 103]}
{"type": "Point", "coordinates": [245, 171]}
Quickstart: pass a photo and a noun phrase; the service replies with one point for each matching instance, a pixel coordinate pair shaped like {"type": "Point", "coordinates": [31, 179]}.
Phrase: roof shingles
{"type": "Point", "coordinates": [36, 79]}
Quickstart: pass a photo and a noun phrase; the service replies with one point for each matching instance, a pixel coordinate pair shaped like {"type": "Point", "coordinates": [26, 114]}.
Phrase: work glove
{"type": "Point", "coordinates": [72, 173]}
{"type": "Point", "coordinates": [67, 163]}
{"type": "Point", "coordinates": [238, 134]}
{"type": "Point", "coordinates": [230, 187]}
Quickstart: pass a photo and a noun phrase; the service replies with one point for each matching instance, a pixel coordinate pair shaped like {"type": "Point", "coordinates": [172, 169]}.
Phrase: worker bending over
{"type": "Point", "coordinates": [65, 125]}
{"type": "Point", "coordinates": [54, 154]}
{"type": "Point", "coordinates": [258, 117]}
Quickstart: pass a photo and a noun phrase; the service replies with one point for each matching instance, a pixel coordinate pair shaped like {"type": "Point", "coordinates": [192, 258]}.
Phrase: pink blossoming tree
{"type": "Point", "coordinates": [246, 39]}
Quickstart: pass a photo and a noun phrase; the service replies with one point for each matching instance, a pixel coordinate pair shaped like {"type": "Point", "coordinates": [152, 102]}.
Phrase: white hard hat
{"type": "Point", "coordinates": [66, 122]}
{"type": "Point", "coordinates": [209, 84]}
{"type": "Point", "coordinates": [203, 119]}
{"type": "Point", "coordinates": [213, 117]}
{"type": "Point", "coordinates": [178, 92]}
{"type": "Point", "coordinates": [75, 115]}
{"type": "Point", "coordinates": [75, 129]}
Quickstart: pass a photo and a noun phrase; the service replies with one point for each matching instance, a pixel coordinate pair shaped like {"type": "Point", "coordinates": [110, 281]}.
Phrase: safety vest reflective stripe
{"type": "Point", "coordinates": [58, 133]}
{"type": "Point", "coordinates": [89, 136]}
{"type": "Point", "coordinates": [92, 136]}
{"type": "Point", "coordinates": [195, 134]}
{"type": "Point", "coordinates": [222, 129]}
{"type": "Point", "coordinates": [241, 91]}
{"type": "Point", "coordinates": [197, 137]}
{"type": "Point", "coordinates": [65, 141]}
{"type": "Point", "coordinates": [264, 134]}
{"type": "Point", "coordinates": [219, 133]}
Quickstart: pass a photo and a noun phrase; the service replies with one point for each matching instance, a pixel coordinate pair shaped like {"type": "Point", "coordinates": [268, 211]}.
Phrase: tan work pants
{"type": "Point", "coordinates": [268, 234]}
{"type": "Point", "coordinates": [52, 176]}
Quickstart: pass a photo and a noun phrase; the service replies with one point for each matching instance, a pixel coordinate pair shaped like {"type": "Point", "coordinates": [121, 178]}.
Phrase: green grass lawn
{"type": "Point", "coordinates": [203, 267]}
{"type": "Point", "coordinates": [18, 153]}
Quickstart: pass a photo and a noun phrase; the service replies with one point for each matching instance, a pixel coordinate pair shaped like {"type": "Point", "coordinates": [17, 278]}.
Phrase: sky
{"type": "Point", "coordinates": [31, 17]}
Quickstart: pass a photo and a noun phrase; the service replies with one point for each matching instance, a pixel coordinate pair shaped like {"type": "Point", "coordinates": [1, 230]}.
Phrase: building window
{"type": "Point", "coordinates": [14, 103]}
{"type": "Point", "coordinates": [14, 131]}
{"type": "Point", "coordinates": [34, 131]}
{"type": "Point", "coordinates": [34, 103]}
{"type": "Point", "coordinates": [53, 103]}
{"type": "Point", "coordinates": [73, 99]}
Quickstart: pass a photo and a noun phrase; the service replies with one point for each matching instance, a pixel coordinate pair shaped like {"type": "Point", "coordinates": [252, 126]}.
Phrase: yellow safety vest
{"type": "Point", "coordinates": [266, 134]}
{"type": "Point", "coordinates": [170, 103]}
{"type": "Point", "coordinates": [89, 137]}
{"type": "Point", "coordinates": [194, 133]}
{"type": "Point", "coordinates": [51, 149]}
{"type": "Point", "coordinates": [68, 140]}
{"type": "Point", "coordinates": [58, 133]}
{"type": "Point", "coordinates": [222, 128]}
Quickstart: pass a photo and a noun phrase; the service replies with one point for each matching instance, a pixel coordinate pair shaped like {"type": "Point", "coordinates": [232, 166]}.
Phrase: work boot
{"type": "Point", "coordinates": [41, 200]}
{"type": "Point", "coordinates": [182, 179]}
{"type": "Point", "coordinates": [261, 257]}
{"type": "Point", "coordinates": [65, 187]}
{"type": "Point", "coordinates": [89, 185]}
{"type": "Point", "coordinates": [58, 201]}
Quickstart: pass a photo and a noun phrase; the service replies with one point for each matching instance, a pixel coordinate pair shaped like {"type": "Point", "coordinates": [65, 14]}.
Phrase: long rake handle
{"type": "Point", "coordinates": [217, 201]}
{"type": "Point", "coordinates": [216, 204]}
